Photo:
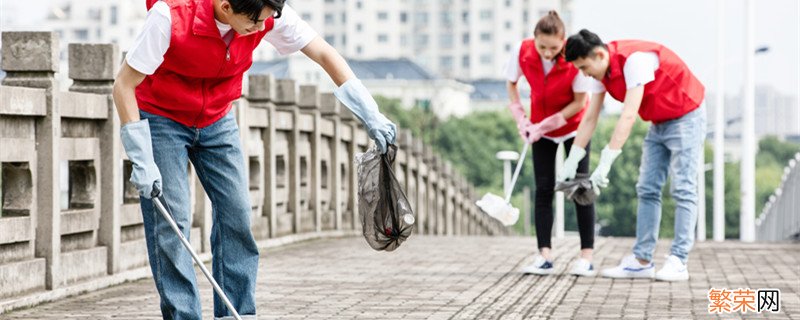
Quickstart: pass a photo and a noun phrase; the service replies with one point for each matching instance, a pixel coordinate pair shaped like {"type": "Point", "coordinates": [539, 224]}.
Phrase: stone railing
{"type": "Point", "coordinates": [299, 143]}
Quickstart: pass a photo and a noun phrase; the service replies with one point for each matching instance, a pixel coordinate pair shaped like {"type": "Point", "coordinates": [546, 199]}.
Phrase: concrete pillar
{"type": "Point", "coordinates": [431, 191]}
{"type": "Point", "coordinates": [330, 107]}
{"type": "Point", "coordinates": [449, 195]}
{"type": "Point", "coordinates": [419, 205]}
{"type": "Point", "coordinates": [92, 67]}
{"type": "Point", "coordinates": [30, 59]}
{"type": "Point", "coordinates": [260, 94]}
{"type": "Point", "coordinates": [309, 103]}
{"type": "Point", "coordinates": [285, 100]}
{"type": "Point", "coordinates": [350, 121]}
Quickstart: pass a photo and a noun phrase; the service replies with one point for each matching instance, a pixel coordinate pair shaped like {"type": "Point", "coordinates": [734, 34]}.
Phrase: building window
{"type": "Point", "coordinates": [344, 40]}
{"type": "Point", "coordinates": [403, 40]}
{"type": "Point", "coordinates": [403, 17]}
{"type": "Point", "coordinates": [486, 59]}
{"type": "Point", "coordinates": [508, 47]}
{"type": "Point", "coordinates": [486, 14]}
{"type": "Point", "coordinates": [421, 39]}
{"type": "Point", "coordinates": [446, 62]}
{"type": "Point", "coordinates": [465, 38]}
{"type": "Point", "coordinates": [95, 14]}
{"type": "Point", "coordinates": [328, 18]}
{"type": "Point", "coordinates": [383, 16]}
{"type": "Point", "coordinates": [344, 18]}
{"type": "Point", "coordinates": [486, 37]}
{"type": "Point", "coordinates": [422, 18]}
{"type": "Point", "coordinates": [358, 4]}
{"type": "Point", "coordinates": [114, 15]}
{"type": "Point", "coordinates": [81, 34]}
{"type": "Point", "coordinates": [358, 27]}
{"type": "Point", "coordinates": [306, 16]}
{"type": "Point", "coordinates": [358, 50]}
{"type": "Point", "coordinates": [508, 25]}
{"type": "Point", "coordinates": [383, 38]}
{"type": "Point", "coordinates": [465, 61]}
{"type": "Point", "coordinates": [329, 39]}
{"type": "Point", "coordinates": [446, 18]}
{"type": "Point", "coordinates": [446, 41]}
{"type": "Point", "coordinates": [465, 17]}
{"type": "Point", "coordinates": [508, 3]}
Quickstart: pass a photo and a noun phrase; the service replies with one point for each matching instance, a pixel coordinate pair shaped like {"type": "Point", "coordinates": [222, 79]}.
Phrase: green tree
{"type": "Point", "coordinates": [471, 142]}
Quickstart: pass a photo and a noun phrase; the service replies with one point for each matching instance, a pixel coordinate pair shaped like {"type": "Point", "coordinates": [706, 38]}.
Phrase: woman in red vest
{"type": "Point", "coordinates": [654, 82]}
{"type": "Point", "coordinates": [174, 94]}
{"type": "Point", "coordinates": [558, 99]}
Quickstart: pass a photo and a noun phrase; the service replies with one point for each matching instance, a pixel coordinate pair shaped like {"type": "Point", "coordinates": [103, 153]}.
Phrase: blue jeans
{"type": "Point", "coordinates": [670, 147]}
{"type": "Point", "coordinates": [216, 154]}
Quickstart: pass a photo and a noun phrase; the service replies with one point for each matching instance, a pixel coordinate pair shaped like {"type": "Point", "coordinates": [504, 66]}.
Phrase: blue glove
{"type": "Point", "coordinates": [599, 177]}
{"type": "Point", "coordinates": [355, 97]}
{"type": "Point", "coordinates": [570, 167]}
{"type": "Point", "coordinates": [139, 147]}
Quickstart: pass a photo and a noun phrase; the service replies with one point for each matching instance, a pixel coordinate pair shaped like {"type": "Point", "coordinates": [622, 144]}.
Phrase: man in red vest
{"type": "Point", "coordinates": [174, 94]}
{"type": "Point", "coordinates": [654, 82]}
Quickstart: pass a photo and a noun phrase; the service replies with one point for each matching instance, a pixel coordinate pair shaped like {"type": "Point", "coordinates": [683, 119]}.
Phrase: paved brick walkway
{"type": "Point", "coordinates": [467, 278]}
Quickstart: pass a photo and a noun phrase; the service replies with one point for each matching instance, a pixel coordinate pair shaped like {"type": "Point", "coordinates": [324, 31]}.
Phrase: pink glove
{"type": "Point", "coordinates": [534, 132]}
{"type": "Point", "coordinates": [518, 112]}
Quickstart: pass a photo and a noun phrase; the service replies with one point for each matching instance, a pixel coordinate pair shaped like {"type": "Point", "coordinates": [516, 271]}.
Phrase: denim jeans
{"type": "Point", "coordinates": [216, 154]}
{"type": "Point", "coordinates": [673, 148]}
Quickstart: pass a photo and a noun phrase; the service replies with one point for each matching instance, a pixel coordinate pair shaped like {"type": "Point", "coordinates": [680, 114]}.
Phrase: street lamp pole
{"type": "Point", "coordinates": [748, 208]}
{"type": "Point", "coordinates": [719, 131]}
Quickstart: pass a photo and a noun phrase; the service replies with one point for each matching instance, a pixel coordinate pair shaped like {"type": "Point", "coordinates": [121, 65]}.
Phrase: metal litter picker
{"type": "Point", "coordinates": [499, 208]}
{"type": "Point", "coordinates": [168, 217]}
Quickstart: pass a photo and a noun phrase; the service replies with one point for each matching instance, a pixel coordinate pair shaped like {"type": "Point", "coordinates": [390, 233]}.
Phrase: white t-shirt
{"type": "Point", "coordinates": [288, 35]}
{"type": "Point", "coordinates": [640, 68]}
{"type": "Point", "coordinates": [581, 83]}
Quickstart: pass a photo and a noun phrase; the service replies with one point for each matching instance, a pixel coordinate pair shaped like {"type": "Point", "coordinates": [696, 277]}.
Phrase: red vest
{"type": "Point", "coordinates": [674, 92]}
{"type": "Point", "coordinates": [200, 76]}
{"type": "Point", "coordinates": [552, 92]}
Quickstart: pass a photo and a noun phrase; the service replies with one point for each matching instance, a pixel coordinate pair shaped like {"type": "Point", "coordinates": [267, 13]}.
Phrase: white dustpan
{"type": "Point", "coordinates": [499, 208]}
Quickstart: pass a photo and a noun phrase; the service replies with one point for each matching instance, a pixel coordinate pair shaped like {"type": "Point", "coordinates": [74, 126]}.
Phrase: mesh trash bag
{"type": "Point", "coordinates": [578, 189]}
{"type": "Point", "coordinates": [386, 216]}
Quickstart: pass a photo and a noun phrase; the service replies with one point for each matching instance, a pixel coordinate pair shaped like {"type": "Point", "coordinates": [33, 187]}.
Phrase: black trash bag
{"type": "Point", "coordinates": [579, 189]}
{"type": "Point", "coordinates": [386, 216]}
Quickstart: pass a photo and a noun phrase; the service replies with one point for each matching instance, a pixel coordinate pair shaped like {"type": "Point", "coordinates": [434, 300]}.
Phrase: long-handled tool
{"type": "Point", "coordinates": [197, 260]}
{"type": "Point", "coordinates": [499, 208]}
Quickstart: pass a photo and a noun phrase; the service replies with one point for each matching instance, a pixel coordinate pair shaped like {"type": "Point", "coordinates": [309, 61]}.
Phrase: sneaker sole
{"type": "Point", "coordinates": [584, 274]}
{"type": "Point", "coordinates": [672, 279]}
{"type": "Point", "coordinates": [539, 272]}
{"type": "Point", "coordinates": [629, 276]}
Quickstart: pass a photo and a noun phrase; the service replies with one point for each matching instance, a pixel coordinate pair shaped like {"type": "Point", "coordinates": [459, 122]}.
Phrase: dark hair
{"type": "Point", "coordinates": [550, 24]}
{"type": "Point", "coordinates": [582, 44]}
{"type": "Point", "coordinates": [253, 8]}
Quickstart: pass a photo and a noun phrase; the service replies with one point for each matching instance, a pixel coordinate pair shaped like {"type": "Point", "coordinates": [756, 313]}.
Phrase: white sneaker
{"type": "Point", "coordinates": [539, 266]}
{"type": "Point", "coordinates": [673, 270]}
{"type": "Point", "coordinates": [630, 267]}
{"type": "Point", "coordinates": [583, 267]}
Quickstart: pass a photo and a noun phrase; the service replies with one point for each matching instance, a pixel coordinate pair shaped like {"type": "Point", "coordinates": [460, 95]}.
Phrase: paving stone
{"type": "Point", "coordinates": [467, 278]}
